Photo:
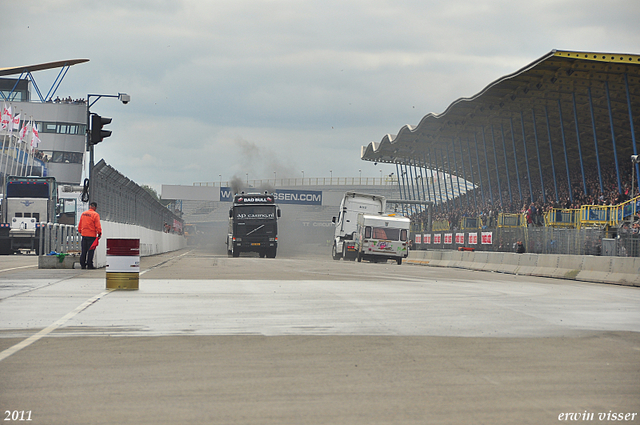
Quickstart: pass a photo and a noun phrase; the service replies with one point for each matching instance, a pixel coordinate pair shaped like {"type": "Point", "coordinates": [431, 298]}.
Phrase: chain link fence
{"type": "Point", "coordinates": [121, 200]}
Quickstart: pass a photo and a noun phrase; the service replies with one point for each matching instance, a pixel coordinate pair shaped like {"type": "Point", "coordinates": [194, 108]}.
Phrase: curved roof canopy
{"type": "Point", "coordinates": [28, 69]}
{"type": "Point", "coordinates": [40, 67]}
{"type": "Point", "coordinates": [583, 100]}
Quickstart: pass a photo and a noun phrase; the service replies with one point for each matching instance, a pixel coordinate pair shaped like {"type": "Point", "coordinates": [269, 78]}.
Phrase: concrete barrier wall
{"type": "Point", "coordinates": [588, 268]}
{"type": "Point", "coordinates": [151, 242]}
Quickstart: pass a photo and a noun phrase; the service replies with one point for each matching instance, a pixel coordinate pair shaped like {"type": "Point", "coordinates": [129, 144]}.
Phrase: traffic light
{"type": "Point", "coordinates": [97, 132]}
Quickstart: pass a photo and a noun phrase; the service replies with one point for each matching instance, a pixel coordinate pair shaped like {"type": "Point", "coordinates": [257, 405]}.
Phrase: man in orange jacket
{"type": "Point", "coordinates": [90, 229]}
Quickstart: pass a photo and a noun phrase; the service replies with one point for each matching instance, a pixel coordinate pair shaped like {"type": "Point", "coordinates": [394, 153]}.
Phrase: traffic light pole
{"type": "Point", "coordinates": [124, 98]}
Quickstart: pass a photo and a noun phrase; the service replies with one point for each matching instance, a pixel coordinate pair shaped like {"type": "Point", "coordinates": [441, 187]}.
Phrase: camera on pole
{"type": "Point", "coordinates": [97, 131]}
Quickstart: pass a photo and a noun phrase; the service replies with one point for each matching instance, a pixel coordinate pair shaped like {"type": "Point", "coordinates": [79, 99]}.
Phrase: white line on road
{"type": "Point", "coordinates": [16, 268]}
{"type": "Point", "coordinates": [27, 342]}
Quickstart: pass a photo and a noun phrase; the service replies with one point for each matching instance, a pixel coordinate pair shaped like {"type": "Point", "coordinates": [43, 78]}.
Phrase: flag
{"type": "Point", "coordinates": [94, 245]}
{"type": "Point", "coordinates": [5, 119]}
{"type": "Point", "coordinates": [23, 131]}
{"type": "Point", "coordinates": [15, 123]}
{"type": "Point", "coordinates": [35, 140]}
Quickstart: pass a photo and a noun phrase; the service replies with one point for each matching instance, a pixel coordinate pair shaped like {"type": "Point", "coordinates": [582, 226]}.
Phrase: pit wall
{"type": "Point", "coordinates": [151, 241]}
{"type": "Point", "coordinates": [588, 268]}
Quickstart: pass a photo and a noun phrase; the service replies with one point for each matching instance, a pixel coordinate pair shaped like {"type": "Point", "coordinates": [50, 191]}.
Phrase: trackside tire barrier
{"type": "Point", "coordinates": [588, 268]}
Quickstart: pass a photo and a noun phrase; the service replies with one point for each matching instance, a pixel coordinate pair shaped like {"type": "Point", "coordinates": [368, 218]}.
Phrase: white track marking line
{"type": "Point", "coordinates": [12, 350]}
{"type": "Point", "coordinates": [27, 342]}
{"type": "Point", "coordinates": [16, 268]}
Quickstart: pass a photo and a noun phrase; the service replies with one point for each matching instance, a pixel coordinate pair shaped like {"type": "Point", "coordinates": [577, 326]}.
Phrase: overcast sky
{"type": "Point", "coordinates": [262, 86]}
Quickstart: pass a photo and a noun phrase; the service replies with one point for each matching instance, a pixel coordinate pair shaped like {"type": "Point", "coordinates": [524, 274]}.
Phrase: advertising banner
{"type": "Point", "coordinates": [418, 239]}
{"type": "Point", "coordinates": [448, 238]}
{"type": "Point", "coordinates": [437, 238]}
{"type": "Point", "coordinates": [473, 239]}
{"type": "Point", "coordinates": [427, 239]}
{"type": "Point", "coordinates": [283, 196]}
{"type": "Point", "coordinates": [460, 238]}
{"type": "Point", "coordinates": [487, 238]}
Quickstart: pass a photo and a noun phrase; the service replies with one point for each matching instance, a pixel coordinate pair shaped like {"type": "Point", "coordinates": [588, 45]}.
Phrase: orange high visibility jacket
{"type": "Point", "coordinates": [89, 224]}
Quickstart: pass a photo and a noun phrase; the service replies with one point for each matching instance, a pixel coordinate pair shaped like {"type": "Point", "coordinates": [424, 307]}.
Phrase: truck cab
{"type": "Point", "coordinates": [346, 223]}
{"type": "Point", "coordinates": [253, 225]}
{"type": "Point", "coordinates": [27, 201]}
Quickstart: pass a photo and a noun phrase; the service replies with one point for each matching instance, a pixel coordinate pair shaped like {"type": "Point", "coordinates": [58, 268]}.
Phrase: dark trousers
{"type": "Point", "coordinates": [86, 258]}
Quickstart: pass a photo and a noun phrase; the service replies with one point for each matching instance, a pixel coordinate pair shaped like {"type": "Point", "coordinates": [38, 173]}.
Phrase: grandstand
{"type": "Point", "coordinates": [559, 131]}
{"type": "Point", "coordinates": [556, 137]}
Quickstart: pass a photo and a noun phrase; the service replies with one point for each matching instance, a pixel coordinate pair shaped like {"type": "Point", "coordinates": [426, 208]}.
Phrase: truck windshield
{"type": "Point", "coordinates": [28, 190]}
{"type": "Point", "coordinates": [255, 229]}
{"type": "Point", "coordinates": [259, 212]}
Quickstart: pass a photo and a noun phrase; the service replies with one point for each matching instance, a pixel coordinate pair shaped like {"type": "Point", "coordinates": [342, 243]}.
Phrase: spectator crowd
{"type": "Point", "coordinates": [471, 204]}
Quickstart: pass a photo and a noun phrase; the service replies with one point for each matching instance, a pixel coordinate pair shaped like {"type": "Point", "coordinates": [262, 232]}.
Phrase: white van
{"type": "Point", "coordinates": [382, 238]}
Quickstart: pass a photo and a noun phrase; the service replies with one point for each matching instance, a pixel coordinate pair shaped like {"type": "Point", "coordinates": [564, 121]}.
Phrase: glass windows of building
{"type": "Point", "coordinates": [62, 128]}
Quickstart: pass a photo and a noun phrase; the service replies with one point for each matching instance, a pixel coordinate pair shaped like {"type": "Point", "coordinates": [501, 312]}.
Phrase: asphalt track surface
{"type": "Point", "coordinates": [214, 340]}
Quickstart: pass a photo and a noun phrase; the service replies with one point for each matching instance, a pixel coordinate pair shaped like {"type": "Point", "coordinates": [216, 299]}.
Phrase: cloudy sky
{"type": "Point", "coordinates": [228, 88]}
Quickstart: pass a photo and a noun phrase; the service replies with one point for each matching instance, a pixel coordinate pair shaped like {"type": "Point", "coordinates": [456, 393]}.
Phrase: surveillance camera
{"type": "Point", "coordinates": [124, 98]}
{"type": "Point", "coordinates": [635, 159]}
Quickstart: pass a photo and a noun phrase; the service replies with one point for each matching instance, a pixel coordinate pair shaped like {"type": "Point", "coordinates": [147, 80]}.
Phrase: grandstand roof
{"type": "Point", "coordinates": [529, 104]}
{"type": "Point", "coordinates": [40, 67]}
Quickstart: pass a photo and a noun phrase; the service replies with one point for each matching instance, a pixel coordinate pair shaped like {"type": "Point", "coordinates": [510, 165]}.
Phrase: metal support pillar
{"type": "Point", "coordinates": [575, 119]}
{"type": "Point", "coordinates": [453, 195]}
{"type": "Point", "coordinates": [475, 197]}
{"type": "Point", "coordinates": [399, 186]}
{"type": "Point", "coordinates": [595, 139]}
{"type": "Point", "coordinates": [413, 186]}
{"type": "Point", "coordinates": [633, 133]}
{"type": "Point", "coordinates": [526, 157]}
{"type": "Point", "coordinates": [535, 134]}
{"type": "Point", "coordinates": [613, 135]}
{"type": "Point", "coordinates": [435, 157]}
{"type": "Point", "coordinates": [464, 175]}
{"type": "Point", "coordinates": [444, 179]}
{"type": "Point", "coordinates": [506, 163]}
{"type": "Point", "coordinates": [424, 161]}
{"type": "Point", "coordinates": [564, 146]}
{"type": "Point", "coordinates": [455, 164]}
{"type": "Point", "coordinates": [553, 167]}
{"type": "Point", "coordinates": [486, 163]}
{"type": "Point", "coordinates": [515, 158]}
{"type": "Point", "coordinates": [475, 137]}
{"type": "Point", "coordinates": [495, 158]}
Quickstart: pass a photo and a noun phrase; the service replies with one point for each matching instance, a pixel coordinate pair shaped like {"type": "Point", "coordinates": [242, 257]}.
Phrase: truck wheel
{"type": "Point", "coordinates": [399, 261]}
{"type": "Point", "coordinates": [235, 253]}
{"type": "Point", "coordinates": [334, 252]}
{"type": "Point", "coordinates": [359, 256]}
{"type": "Point", "coordinates": [271, 253]}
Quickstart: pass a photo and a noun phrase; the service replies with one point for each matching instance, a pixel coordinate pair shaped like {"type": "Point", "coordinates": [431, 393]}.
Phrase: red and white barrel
{"type": "Point", "coordinates": [123, 263]}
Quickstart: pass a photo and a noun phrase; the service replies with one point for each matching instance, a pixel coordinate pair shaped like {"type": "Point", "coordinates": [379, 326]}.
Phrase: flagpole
{"type": "Point", "coordinates": [4, 142]}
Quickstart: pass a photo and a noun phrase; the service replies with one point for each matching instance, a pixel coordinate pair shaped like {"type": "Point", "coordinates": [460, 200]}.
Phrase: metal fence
{"type": "Point", "coordinates": [121, 200]}
{"type": "Point", "coordinates": [58, 238]}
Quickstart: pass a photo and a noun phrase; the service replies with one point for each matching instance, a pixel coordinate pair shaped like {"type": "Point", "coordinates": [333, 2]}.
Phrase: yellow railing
{"type": "Point", "coordinates": [440, 225]}
{"type": "Point", "coordinates": [470, 223]}
{"type": "Point", "coordinates": [558, 217]}
{"type": "Point", "coordinates": [608, 215]}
